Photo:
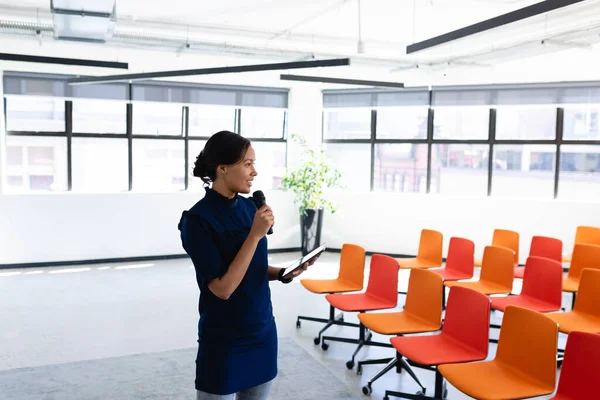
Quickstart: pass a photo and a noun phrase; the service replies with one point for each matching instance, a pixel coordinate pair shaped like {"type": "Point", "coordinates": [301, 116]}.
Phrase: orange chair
{"type": "Point", "coordinates": [579, 377]}
{"type": "Point", "coordinates": [505, 238]}
{"type": "Point", "coordinates": [584, 256]}
{"type": "Point", "coordinates": [542, 287]}
{"type": "Point", "coordinates": [584, 235]}
{"type": "Point", "coordinates": [496, 272]}
{"type": "Point", "coordinates": [422, 313]}
{"type": "Point", "coordinates": [524, 365]}
{"type": "Point", "coordinates": [350, 279]}
{"type": "Point", "coordinates": [381, 293]}
{"type": "Point", "coordinates": [459, 263]}
{"type": "Point", "coordinates": [585, 316]}
{"type": "Point", "coordinates": [542, 246]}
{"type": "Point", "coordinates": [429, 254]}
{"type": "Point", "coordinates": [464, 338]}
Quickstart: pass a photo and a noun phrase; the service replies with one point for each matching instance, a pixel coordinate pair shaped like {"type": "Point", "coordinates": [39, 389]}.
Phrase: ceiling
{"type": "Point", "coordinates": [374, 33]}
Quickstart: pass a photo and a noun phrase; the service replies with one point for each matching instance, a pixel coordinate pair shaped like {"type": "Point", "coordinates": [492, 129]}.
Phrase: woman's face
{"type": "Point", "coordinates": [238, 177]}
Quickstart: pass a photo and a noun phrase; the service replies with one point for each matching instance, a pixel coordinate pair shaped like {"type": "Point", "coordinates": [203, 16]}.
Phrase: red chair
{"type": "Point", "coordinates": [579, 376]}
{"type": "Point", "coordinates": [460, 262]}
{"type": "Point", "coordinates": [542, 246]}
{"type": "Point", "coordinates": [464, 338]}
{"type": "Point", "coordinates": [381, 293]}
{"type": "Point", "coordinates": [542, 287]}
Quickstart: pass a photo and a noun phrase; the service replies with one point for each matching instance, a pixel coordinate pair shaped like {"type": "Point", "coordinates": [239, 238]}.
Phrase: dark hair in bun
{"type": "Point", "coordinates": [223, 148]}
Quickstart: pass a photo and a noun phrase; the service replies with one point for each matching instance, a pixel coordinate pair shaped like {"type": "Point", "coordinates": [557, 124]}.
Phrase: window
{"type": "Point", "coordinates": [347, 124]}
{"type": "Point", "coordinates": [526, 123]}
{"type": "Point", "coordinates": [205, 121]}
{"type": "Point", "coordinates": [35, 114]}
{"type": "Point", "coordinates": [100, 165]}
{"type": "Point", "coordinates": [579, 177]}
{"type": "Point", "coordinates": [354, 162]}
{"type": "Point", "coordinates": [524, 171]}
{"type": "Point", "coordinates": [263, 122]}
{"type": "Point", "coordinates": [459, 169]}
{"type": "Point", "coordinates": [36, 163]}
{"type": "Point", "coordinates": [582, 123]}
{"type": "Point", "coordinates": [461, 123]}
{"type": "Point", "coordinates": [99, 116]}
{"type": "Point", "coordinates": [157, 119]}
{"type": "Point", "coordinates": [401, 168]}
{"type": "Point", "coordinates": [270, 164]}
{"type": "Point", "coordinates": [402, 123]}
{"type": "Point", "coordinates": [158, 165]}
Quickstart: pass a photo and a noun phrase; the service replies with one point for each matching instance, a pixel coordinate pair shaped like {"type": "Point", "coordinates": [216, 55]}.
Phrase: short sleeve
{"type": "Point", "coordinates": [198, 243]}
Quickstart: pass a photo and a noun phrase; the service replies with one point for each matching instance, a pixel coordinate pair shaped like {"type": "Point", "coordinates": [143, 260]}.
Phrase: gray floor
{"type": "Point", "coordinates": [59, 315]}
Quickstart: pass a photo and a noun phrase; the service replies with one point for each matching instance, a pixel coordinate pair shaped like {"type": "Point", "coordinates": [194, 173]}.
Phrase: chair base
{"type": "Point", "coordinates": [332, 320]}
{"type": "Point", "coordinates": [441, 392]}
{"type": "Point", "coordinates": [398, 362]}
{"type": "Point", "coordinates": [364, 339]}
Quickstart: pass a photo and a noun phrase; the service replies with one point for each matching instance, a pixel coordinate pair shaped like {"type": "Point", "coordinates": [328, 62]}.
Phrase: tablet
{"type": "Point", "coordinates": [301, 261]}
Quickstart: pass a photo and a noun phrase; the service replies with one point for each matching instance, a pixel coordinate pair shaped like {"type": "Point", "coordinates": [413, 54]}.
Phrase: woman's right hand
{"type": "Point", "coordinates": [263, 221]}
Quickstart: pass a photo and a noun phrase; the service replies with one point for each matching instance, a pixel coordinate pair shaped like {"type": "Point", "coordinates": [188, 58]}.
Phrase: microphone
{"type": "Point", "coordinates": [259, 199]}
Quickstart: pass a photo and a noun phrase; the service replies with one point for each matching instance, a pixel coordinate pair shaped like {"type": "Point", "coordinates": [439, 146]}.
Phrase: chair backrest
{"type": "Point", "coordinates": [352, 264]}
{"type": "Point", "coordinates": [383, 278]}
{"type": "Point", "coordinates": [509, 239]}
{"type": "Point", "coordinates": [461, 255]}
{"type": "Point", "coordinates": [528, 342]}
{"type": "Point", "coordinates": [430, 246]}
{"type": "Point", "coordinates": [497, 266]}
{"type": "Point", "coordinates": [588, 296]}
{"type": "Point", "coordinates": [424, 296]}
{"type": "Point", "coordinates": [587, 235]}
{"type": "Point", "coordinates": [579, 376]}
{"type": "Point", "coordinates": [584, 256]}
{"type": "Point", "coordinates": [542, 280]}
{"type": "Point", "coordinates": [542, 246]}
{"type": "Point", "coordinates": [468, 318]}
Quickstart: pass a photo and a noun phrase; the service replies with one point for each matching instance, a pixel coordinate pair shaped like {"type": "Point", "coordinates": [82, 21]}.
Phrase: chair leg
{"type": "Point", "coordinates": [332, 320]}
{"type": "Point", "coordinates": [573, 301]}
{"type": "Point", "coordinates": [364, 339]}
{"type": "Point", "coordinates": [367, 389]}
{"type": "Point", "coordinates": [441, 392]}
{"type": "Point", "coordinates": [443, 297]}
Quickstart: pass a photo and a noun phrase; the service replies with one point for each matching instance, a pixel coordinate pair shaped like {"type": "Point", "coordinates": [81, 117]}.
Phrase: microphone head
{"type": "Point", "coordinates": [258, 195]}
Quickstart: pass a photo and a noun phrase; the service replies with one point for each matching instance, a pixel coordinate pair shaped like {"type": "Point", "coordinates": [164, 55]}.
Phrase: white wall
{"type": "Point", "coordinates": [391, 223]}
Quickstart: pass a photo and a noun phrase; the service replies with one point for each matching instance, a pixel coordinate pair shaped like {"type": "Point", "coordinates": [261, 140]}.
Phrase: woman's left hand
{"type": "Point", "coordinates": [299, 271]}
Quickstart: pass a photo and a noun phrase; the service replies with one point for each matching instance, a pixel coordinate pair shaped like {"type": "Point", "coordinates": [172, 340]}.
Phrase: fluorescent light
{"type": "Point", "coordinates": [69, 270]}
{"type": "Point", "coordinates": [134, 266]}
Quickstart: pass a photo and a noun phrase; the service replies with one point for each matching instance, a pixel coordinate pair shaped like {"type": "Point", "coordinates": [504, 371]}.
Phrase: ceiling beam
{"type": "Point", "coordinates": [62, 61]}
{"type": "Point", "coordinates": [496, 22]}
{"type": "Point", "coordinates": [208, 71]}
{"type": "Point", "coordinates": [322, 79]}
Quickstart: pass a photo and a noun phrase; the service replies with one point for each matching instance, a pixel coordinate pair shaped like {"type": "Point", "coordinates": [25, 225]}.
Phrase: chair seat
{"type": "Point", "coordinates": [451, 275]}
{"type": "Point", "coordinates": [519, 272]}
{"type": "Point", "coordinates": [435, 349]}
{"type": "Point", "coordinates": [416, 263]}
{"type": "Point", "coordinates": [500, 303]}
{"type": "Point", "coordinates": [396, 323]}
{"type": "Point", "coordinates": [329, 286]}
{"type": "Point", "coordinates": [481, 287]}
{"type": "Point", "coordinates": [492, 380]}
{"type": "Point", "coordinates": [358, 302]}
{"type": "Point", "coordinates": [570, 284]}
{"type": "Point", "coordinates": [575, 321]}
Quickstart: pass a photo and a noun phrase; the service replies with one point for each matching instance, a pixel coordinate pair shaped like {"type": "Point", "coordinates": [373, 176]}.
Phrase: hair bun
{"type": "Point", "coordinates": [201, 169]}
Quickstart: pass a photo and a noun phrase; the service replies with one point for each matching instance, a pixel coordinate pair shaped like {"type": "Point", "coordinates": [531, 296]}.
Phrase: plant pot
{"type": "Point", "coordinates": [311, 223]}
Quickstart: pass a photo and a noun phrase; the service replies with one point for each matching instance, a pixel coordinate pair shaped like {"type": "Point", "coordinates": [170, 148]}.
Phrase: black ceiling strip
{"type": "Point", "coordinates": [81, 13]}
{"type": "Point", "coordinates": [63, 61]}
{"type": "Point", "coordinates": [501, 20]}
{"type": "Point", "coordinates": [215, 70]}
{"type": "Point", "coordinates": [304, 78]}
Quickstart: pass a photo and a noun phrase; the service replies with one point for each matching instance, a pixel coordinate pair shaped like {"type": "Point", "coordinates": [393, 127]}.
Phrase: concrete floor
{"type": "Point", "coordinates": [59, 315]}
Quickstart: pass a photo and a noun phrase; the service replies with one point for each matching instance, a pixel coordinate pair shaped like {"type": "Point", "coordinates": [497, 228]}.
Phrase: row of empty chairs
{"type": "Point", "coordinates": [541, 293]}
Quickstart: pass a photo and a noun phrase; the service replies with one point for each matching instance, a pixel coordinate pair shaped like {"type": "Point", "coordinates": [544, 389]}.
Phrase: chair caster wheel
{"type": "Point", "coordinates": [359, 370]}
{"type": "Point", "coordinates": [386, 398]}
{"type": "Point", "coordinates": [298, 324]}
{"type": "Point", "coordinates": [421, 392]}
{"type": "Point", "coordinates": [367, 390]}
{"type": "Point", "coordinates": [324, 346]}
{"type": "Point", "coordinates": [445, 395]}
{"type": "Point", "coordinates": [350, 364]}
{"type": "Point", "coordinates": [317, 340]}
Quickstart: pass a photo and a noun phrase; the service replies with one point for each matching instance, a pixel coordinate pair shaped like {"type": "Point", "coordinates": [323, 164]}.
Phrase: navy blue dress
{"type": "Point", "coordinates": [237, 338]}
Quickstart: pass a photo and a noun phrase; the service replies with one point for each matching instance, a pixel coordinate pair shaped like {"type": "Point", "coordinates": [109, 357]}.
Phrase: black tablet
{"type": "Point", "coordinates": [301, 261]}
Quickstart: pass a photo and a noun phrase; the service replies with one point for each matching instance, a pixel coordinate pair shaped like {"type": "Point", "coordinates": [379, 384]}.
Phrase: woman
{"type": "Point", "coordinates": [224, 234]}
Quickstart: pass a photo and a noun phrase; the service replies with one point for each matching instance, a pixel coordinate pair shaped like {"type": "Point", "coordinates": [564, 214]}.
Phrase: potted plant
{"type": "Point", "coordinates": [309, 182]}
